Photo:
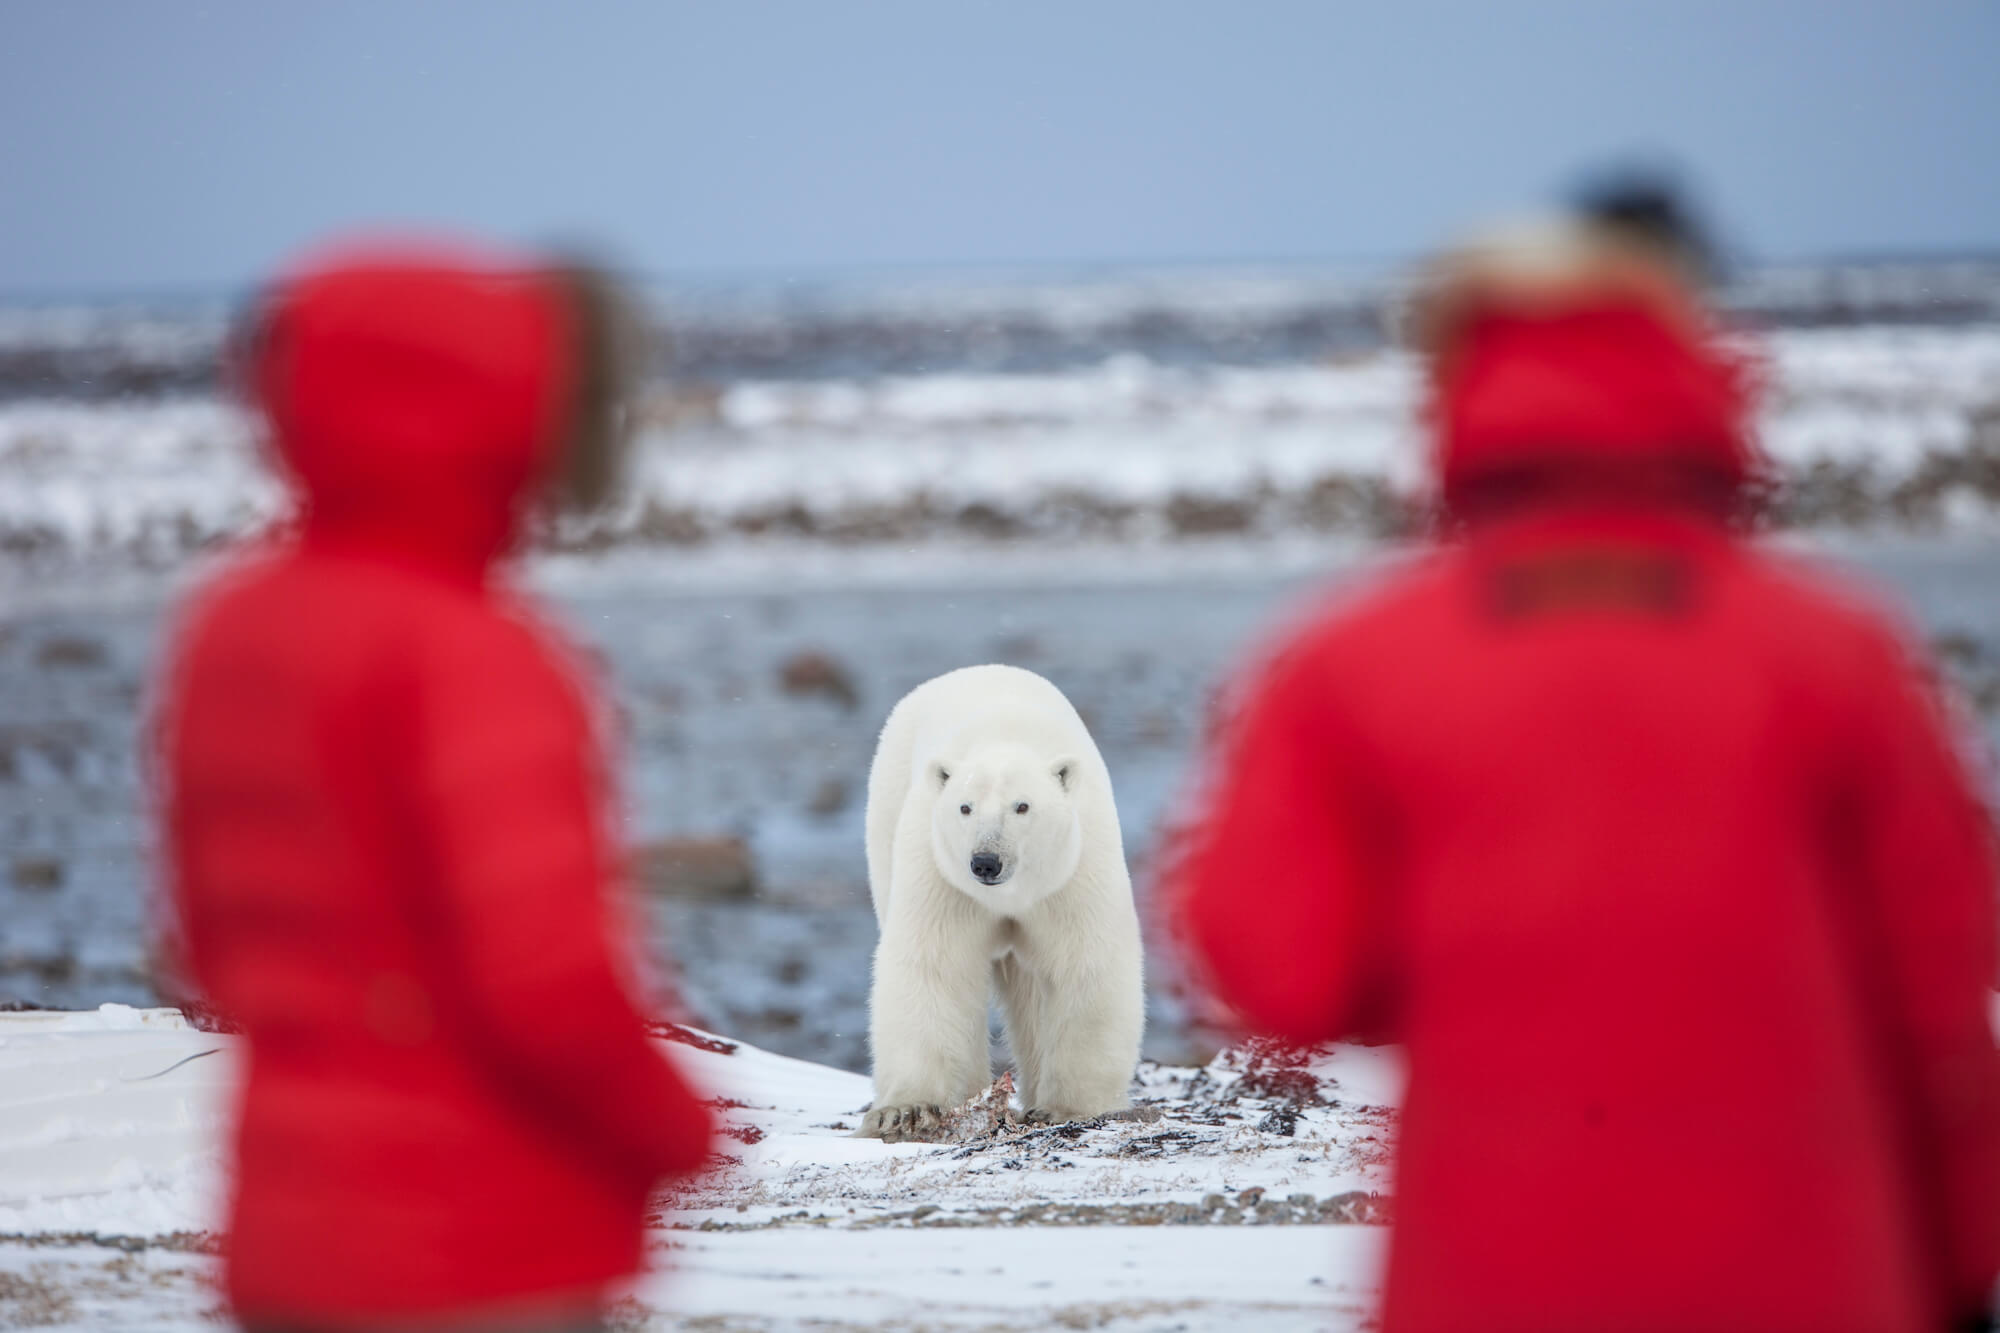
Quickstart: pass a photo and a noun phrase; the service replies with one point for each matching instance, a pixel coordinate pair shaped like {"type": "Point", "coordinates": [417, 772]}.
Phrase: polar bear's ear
{"type": "Point", "coordinates": [938, 775]}
{"type": "Point", "coordinates": [1064, 771]}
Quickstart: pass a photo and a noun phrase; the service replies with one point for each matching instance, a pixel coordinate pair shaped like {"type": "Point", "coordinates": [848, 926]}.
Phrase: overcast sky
{"type": "Point", "coordinates": [160, 144]}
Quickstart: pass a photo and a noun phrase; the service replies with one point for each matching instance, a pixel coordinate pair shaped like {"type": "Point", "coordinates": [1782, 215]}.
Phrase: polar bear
{"type": "Point", "coordinates": [995, 862]}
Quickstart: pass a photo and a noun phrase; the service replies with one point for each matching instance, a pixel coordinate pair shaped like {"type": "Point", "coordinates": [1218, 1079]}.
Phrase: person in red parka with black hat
{"type": "Point", "coordinates": [1659, 852]}
{"type": "Point", "coordinates": [387, 823]}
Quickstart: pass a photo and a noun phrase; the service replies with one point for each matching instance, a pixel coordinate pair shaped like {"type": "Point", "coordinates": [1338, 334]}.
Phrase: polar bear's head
{"type": "Point", "coordinates": [1004, 824]}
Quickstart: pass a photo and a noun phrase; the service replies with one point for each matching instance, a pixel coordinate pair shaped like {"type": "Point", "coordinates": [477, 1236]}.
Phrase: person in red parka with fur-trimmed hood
{"type": "Point", "coordinates": [1657, 851]}
{"type": "Point", "coordinates": [387, 823]}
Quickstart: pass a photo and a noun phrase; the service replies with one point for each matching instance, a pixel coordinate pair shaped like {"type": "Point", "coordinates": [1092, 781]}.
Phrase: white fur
{"type": "Point", "coordinates": [1056, 933]}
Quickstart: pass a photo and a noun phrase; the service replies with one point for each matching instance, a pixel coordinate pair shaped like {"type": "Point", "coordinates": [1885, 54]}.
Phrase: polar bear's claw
{"type": "Point", "coordinates": [902, 1124]}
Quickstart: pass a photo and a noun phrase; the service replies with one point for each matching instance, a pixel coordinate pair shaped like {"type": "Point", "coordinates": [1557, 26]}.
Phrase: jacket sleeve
{"type": "Point", "coordinates": [512, 802]}
{"type": "Point", "coordinates": [1273, 895]}
{"type": "Point", "coordinates": [1929, 859]}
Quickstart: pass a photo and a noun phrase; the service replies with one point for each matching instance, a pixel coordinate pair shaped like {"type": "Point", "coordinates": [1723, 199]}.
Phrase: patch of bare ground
{"type": "Point", "coordinates": [1262, 1107]}
{"type": "Point", "coordinates": [1250, 1207]}
{"type": "Point", "coordinates": [76, 1279]}
{"type": "Point", "coordinates": [178, 1242]}
{"type": "Point", "coordinates": [36, 1298]}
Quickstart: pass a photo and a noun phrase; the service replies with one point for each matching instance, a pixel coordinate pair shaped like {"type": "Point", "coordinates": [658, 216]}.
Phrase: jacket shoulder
{"type": "Point", "coordinates": [1827, 618]}
{"type": "Point", "coordinates": [493, 673]}
{"type": "Point", "coordinates": [1390, 605]}
{"type": "Point", "coordinates": [498, 633]}
{"type": "Point", "coordinates": [1375, 616]}
{"type": "Point", "coordinates": [287, 606]}
{"type": "Point", "coordinates": [1849, 630]}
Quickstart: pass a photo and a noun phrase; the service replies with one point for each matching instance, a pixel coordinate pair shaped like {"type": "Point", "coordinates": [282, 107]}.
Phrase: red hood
{"type": "Point", "coordinates": [1585, 371]}
{"type": "Point", "coordinates": [415, 393]}
{"type": "Point", "coordinates": [1607, 396]}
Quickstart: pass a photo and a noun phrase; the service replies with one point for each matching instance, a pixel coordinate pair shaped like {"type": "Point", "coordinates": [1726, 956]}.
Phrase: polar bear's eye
{"type": "Point", "coordinates": [1021, 809]}
{"type": "Point", "coordinates": [965, 809]}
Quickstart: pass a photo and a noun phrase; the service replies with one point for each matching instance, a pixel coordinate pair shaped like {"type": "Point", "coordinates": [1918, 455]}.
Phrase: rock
{"type": "Point", "coordinates": [986, 520]}
{"type": "Point", "coordinates": [681, 405]}
{"type": "Point", "coordinates": [66, 650]}
{"type": "Point", "coordinates": [1958, 649]}
{"type": "Point", "coordinates": [1142, 1115]}
{"type": "Point", "coordinates": [1355, 1206]}
{"type": "Point", "coordinates": [830, 797]}
{"type": "Point", "coordinates": [807, 673]}
{"type": "Point", "coordinates": [1280, 1119]}
{"type": "Point", "coordinates": [56, 744]}
{"type": "Point", "coordinates": [675, 527]}
{"type": "Point", "coordinates": [37, 874]}
{"type": "Point", "coordinates": [714, 867]}
{"type": "Point", "coordinates": [1016, 648]}
{"type": "Point", "coordinates": [1198, 516]}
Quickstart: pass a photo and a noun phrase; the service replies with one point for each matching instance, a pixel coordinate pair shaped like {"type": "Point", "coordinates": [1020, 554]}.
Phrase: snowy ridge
{"type": "Point", "coordinates": [1866, 426]}
{"type": "Point", "coordinates": [102, 1130]}
{"type": "Point", "coordinates": [1233, 1192]}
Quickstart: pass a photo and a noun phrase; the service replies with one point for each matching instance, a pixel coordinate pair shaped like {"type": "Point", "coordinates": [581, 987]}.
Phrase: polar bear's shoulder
{"type": "Point", "coordinates": [992, 682]}
{"type": "Point", "coordinates": [963, 703]}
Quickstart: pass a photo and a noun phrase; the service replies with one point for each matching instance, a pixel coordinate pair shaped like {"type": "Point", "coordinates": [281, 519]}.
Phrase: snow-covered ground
{"type": "Point", "coordinates": [1245, 1194]}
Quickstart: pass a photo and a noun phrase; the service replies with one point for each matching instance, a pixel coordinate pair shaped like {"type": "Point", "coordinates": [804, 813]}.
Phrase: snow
{"type": "Point", "coordinates": [1201, 1213]}
{"type": "Point", "coordinates": [94, 1136]}
{"type": "Point", "coordinates": [110, 1170]}
{"type": "Point", "coordinates": [1095, 1277]}
{"type": "Point", "coordinates": [1109, 453]}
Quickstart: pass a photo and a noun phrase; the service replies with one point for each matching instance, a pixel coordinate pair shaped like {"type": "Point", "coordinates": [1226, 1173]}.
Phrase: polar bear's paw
{"type": "Point", "coordinates": [903, 1124]}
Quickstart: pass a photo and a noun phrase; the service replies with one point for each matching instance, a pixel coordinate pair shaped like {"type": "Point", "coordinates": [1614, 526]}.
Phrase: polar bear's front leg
{"type": "Point", "coordinates": [1076, 1027]}
{"type": "Point", "coordinates": [927, 1011]}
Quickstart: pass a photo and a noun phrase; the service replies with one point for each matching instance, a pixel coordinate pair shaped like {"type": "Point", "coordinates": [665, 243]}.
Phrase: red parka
{"type": "Point", "coordinates": [1655, 852]}
{"type": "Point", "coordinates": [387, 832]}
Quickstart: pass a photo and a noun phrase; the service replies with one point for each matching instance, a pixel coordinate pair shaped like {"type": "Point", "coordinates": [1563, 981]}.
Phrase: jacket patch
{"type": "Point", "coordinates": [1591, 581]}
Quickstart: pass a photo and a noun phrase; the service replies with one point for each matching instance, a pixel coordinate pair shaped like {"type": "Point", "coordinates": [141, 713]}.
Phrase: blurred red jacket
{"type": "Point", "coordinates": [1655, 852]}
{"type": "Point", "coordinates": [387, 823]}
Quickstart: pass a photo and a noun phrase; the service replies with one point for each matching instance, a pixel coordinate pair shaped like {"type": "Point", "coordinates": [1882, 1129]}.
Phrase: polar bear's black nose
{"type": "Point", "coordinates": [985, 867]}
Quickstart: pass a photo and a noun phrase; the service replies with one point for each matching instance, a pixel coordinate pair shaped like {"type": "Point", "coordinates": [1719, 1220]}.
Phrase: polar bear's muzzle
{"type": "Point", "coordinates": [988, 868]}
